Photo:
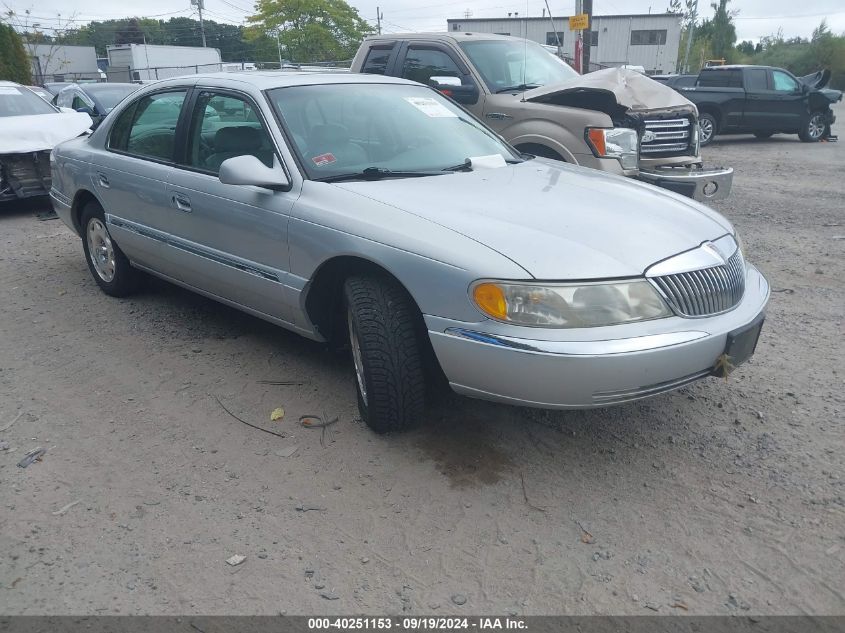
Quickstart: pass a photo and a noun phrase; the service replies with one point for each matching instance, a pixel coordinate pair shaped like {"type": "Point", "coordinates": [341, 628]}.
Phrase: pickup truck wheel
{"type": "Point", "coordinates": [708, 126]}
{"type": "Point", "coordinates": [763, 134]}
{"type": "Point", "coordinates": [813, 128]}
{"type": "Point", "coordinates": [107, 263]}
{"type": "Point", "coordinates": [384, 337]}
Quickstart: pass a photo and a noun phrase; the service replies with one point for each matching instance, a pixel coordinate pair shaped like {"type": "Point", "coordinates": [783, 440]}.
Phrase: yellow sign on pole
{"type": "Point", "coordinates": [579, 22]}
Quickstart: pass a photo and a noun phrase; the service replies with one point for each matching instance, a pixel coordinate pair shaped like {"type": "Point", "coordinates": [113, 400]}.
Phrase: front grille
{"type": "Point", "coordinates": [706, 291]}
{"type": "Point", "coordinates": [26, 174]}
{"type": "Point", "coordinates": [671, 136]}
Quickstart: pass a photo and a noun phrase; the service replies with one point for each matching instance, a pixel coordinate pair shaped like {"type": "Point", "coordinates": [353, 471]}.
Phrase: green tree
{"type": "Point", "coordinates": [310, 30]}
{"type": "Point", "coordinates": [745, 47]}
{"type": "Point", "coordinates": [14, 62]}
{"type": "Point", "coordinates": [722, 30]}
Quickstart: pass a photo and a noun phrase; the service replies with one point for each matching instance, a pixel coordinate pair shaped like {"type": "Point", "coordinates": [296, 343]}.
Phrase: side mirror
{"type": "Point", "coordinates": [453, 87]}
{"type": "Point", "coordinates": [248, 170]}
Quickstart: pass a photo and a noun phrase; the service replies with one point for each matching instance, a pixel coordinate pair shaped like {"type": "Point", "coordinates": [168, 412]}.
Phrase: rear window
{"type": "Point", "coordinates": [376, 61]}
{"type": "Point", "coordinates": [720, 79]}
{"type": "Point", "coordinates": [755, 79]}
{"type": "Point", "coordinates": [18, 101]}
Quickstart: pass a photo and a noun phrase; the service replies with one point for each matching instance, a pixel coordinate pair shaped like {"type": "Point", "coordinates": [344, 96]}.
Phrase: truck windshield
{"type": "Point", "coordinates": [380, 130]}
{"type": "Point", "coordinates": [19, 101]}
{"type": "Point", "coordinates": [517, 64]}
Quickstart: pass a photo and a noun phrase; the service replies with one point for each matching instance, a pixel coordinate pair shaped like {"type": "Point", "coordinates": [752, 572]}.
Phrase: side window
{"type": "Point", "coordinates": [63, 99]}
{"type": "Point", "coordinates": [376, 61]}
{"type": "Point", "coordinates": [78, 102]}
{"type": "Point", "coordinates": [783, 82]}
{"type": "Point", "coordinates": [224, 126]}
{"type": "Point", "coordinates": [755, 79]}
{"type": "Point", "coordinates": [152, 130]}
{"type": "Point", "coordinates": [421, 64]}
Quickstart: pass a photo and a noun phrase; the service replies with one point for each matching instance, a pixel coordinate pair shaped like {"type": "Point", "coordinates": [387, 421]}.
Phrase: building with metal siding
{"type": "Point", "coordinates": [649, 40]}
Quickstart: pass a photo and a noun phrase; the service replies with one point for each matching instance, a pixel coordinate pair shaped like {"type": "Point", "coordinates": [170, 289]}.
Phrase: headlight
{"type": "Point", "coordinates": [569, 305]}
{"type": "Point", "coordinates": [617, 142]}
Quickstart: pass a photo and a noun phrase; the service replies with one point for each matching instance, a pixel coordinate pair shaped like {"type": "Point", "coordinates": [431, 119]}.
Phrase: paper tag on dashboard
{"type": "Point", "coordinates": [430, 107]}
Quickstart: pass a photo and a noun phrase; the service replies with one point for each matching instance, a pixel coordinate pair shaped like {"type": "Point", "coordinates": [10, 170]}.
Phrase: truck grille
{"type": "Point", "coordinates": [666, 137]}
{"type": "Point", "coordinates": [707, 291]}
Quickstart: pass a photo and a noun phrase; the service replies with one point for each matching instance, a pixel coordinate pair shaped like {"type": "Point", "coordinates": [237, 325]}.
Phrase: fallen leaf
{"type": "Point", "coordinates": [277, 414]}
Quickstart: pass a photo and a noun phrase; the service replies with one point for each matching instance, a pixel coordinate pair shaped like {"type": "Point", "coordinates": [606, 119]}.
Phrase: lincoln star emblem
{"type": "Point", "coordinates": [649, 136]}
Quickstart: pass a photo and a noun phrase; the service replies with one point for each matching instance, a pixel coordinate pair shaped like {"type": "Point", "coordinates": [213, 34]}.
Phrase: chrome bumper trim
{"type": "Point", "coordinates": [698, 184]}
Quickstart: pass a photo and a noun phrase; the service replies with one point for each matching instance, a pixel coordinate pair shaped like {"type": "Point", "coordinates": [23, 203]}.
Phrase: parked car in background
{"type": "Point", "coordinates": [375, 212]}
{"type": "Point", "coordinates": [96, 100]}
{"type": "Point", "coordinates": [762, 100]}
{"type": "Point", "coordinates": [42, 92]}
{"type": "Point", "coordinates": [29, 128]}
{"type": "Point", "coordinates": [614, 120]}
{"type": "Point", "coordinates": [55, 87]}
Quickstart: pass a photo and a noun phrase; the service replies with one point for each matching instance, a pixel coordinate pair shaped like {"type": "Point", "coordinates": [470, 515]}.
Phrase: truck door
{"type": "Point", "coordinates": [423, 61]}
{"type": "Point", "coordinates": [788, 102]}
{"type": "Point", "coordinates": [757, 95]}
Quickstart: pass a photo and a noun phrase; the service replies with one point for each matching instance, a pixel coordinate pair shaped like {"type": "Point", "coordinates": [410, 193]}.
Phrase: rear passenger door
{"type": "Point", "coordinates": [130, 177]}
{"type": "Point", "coordinates": [758, 96]}
{"type": "Point", "coordinates": [232, 239]}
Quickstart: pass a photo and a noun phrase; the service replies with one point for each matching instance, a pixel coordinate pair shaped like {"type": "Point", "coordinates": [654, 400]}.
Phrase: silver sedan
{"type": "Point", "coordinates": [375, 213]}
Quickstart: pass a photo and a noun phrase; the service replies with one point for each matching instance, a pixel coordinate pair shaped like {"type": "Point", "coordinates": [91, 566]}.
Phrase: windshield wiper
{"type": "Point", "coordinates": [377, 173]}
{"type": "Point", "coordinates": [518, 88]}
{"type": "Point", "coordinates": [467, 165]}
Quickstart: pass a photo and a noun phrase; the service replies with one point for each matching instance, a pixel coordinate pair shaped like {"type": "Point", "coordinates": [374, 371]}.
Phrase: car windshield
{"type": "Point", "coordinates": [110, 96]}
{"type": "Point", "coordinates": [343, 129]}
{"type": "Point", "coordinates": [516, 64]}
{"type": "Point", "coordinates": [19, 101]}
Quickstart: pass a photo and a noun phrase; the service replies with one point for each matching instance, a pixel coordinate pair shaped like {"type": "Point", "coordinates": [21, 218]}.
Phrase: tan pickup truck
{"type": "Point", "coordinates": [616, 120]}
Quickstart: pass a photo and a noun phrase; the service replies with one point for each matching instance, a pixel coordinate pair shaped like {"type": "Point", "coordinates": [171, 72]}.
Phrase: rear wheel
{"type": "Point", "coordinates": [813, 128]}
{"type": "Point", "coordinates": [385, 338]}
{"type": "Point", "coordinates": [708, 126]}
{"type": "Point", "coordinates": [107, 263]}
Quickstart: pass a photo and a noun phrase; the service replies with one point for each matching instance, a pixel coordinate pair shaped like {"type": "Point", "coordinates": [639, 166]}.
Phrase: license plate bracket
{"type": "Point", "coordinates": [740, 346]}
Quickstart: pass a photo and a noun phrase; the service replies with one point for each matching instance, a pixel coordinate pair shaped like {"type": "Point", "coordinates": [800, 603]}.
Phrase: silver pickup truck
{"type": "Point", "coordinates": [615, 120]}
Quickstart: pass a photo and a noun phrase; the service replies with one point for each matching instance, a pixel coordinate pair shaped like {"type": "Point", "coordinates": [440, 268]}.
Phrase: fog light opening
{"type": "Point", "coordinates": [710, 188]}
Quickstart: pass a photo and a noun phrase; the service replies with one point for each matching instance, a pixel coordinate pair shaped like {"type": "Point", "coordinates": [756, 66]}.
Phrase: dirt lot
{"type": "Point", "coordinates": [723, 498]}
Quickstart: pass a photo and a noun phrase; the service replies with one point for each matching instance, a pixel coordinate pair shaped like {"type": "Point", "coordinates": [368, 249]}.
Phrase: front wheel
{"type": "Point", "coordinates": [107, 263]}
{"type": "Point", "coordinates": [708, 127]}
{"type": "Point", "coordinates": [813, 128]}
{"type": "Point", "coordinates": [384, 335]}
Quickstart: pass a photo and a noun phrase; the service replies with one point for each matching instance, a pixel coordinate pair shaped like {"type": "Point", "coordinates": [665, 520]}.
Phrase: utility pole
{"type": "Point", "coordinates": [692, 8]}
{"type": "Point", "coordinates": [199, 4]}
{"type": "Point", "coordinates": [588, 9]}
{"type": "Point", "coordinates": [554, 30]}
{"type": "Point", "coordinates": [378, 19]}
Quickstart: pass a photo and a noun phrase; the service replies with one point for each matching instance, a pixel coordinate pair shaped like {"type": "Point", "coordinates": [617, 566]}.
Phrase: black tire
{"type": "Point", "coordinates": [124, 280]}
{"type": "Point", "coordinates": [813, 128]}
{"type": "Point", "coordinates": [708, 128]}
{"type": "Point", "coordinates": [763, 134]}
{"type": "Point", "coordinates": [384, 323]}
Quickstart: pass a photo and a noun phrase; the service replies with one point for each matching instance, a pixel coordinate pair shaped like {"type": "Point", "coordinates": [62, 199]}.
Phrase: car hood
{"type": "Point", "coordinates": [556, 221]}
{"type": "Point", "coordinates": [817, 80]}
{"type": "Point", "coordinates": [39, 132]}
{"type": "Point", "coordinates": [630, 89]}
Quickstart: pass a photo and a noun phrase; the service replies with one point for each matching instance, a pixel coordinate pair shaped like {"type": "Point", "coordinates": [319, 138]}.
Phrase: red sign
{"type": "Point", "coordinates": [579, 49]}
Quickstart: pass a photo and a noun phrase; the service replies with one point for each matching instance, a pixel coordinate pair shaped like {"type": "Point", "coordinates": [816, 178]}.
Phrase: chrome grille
{"type": "Point", "coordinates": [670, 136]}
{"type": "Point", "coordinates": [706, 291]}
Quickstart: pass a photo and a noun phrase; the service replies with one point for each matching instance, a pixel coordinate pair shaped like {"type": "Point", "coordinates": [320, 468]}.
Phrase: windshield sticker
{"type": "Point", "coordinates": [9, 90]}
{"type": "Point", "coordinates": [324, 159]}
{"type": "Point", "coordinates": [431, 107]}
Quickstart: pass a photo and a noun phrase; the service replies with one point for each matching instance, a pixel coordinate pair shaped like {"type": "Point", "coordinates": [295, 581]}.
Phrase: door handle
{"type": "Point", "coordinates": [501, 116]}
{"type": "Point", "coordinates": [183, 203]}
{"type": "Point", "coordinates": [103, 180]}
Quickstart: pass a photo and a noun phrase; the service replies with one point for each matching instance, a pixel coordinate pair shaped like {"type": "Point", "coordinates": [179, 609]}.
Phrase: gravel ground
{"type": "Point", "coordinates": [725, 497]}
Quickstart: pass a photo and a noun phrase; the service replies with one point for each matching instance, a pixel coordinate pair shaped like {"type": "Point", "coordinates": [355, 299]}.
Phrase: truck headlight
{"type": "Point", "coordinates": [618, 142]}
{"type": "Point", "coordinates": [569, 305]}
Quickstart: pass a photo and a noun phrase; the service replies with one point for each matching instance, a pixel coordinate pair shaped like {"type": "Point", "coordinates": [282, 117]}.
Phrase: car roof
{"type": "Point", "coordinates": [266, 80]}
{"type": "Point", "coordinates": [8, 83]}
{"type": "Point", "coordinates": [451, 35]}
{"type": "Point", "coordinates": [739, 67]}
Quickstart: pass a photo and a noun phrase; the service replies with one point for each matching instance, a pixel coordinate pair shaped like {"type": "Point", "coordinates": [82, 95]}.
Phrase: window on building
{"type": "Point", "coordinates": [650, 37]}
{"type": "Point", "coordinates": [594, 38]}
{"type": "Point", "coordinates": [551, 40]}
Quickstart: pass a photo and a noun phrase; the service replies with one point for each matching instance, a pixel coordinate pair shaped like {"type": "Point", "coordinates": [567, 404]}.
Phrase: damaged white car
{"type": "Point", "coordinates": [29, 129]}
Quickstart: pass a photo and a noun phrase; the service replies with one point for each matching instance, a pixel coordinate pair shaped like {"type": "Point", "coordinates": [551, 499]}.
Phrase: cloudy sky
{"type": "Point", "coordinates": [754, 19]}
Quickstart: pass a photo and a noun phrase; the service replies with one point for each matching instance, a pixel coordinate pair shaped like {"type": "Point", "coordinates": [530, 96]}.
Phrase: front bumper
{"type": "Point", "coordinates": [590, 367]}
{"type": "Point", "coordinates": [694, 182]}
